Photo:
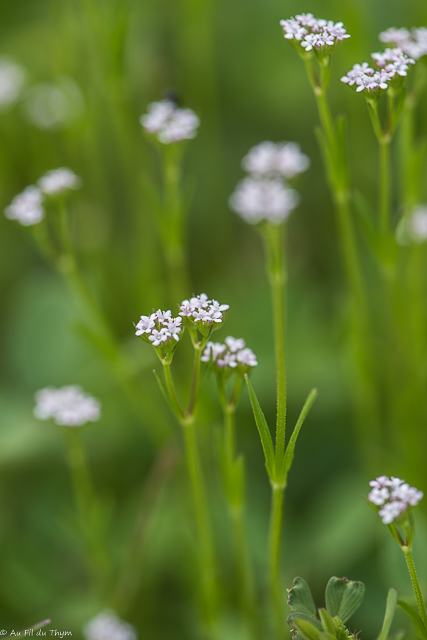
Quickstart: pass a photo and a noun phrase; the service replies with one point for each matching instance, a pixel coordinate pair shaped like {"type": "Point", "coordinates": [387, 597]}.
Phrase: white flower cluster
{"type": "Point", "coordinates": [59, 180]}
{"type": "Point", "coordinates": [413, 43]}
{"type": "Point", "coordinates": [394, 496]}
{"type": "Point", "coordinates": [170, 123]}
{"type": "Point", "coordinates": [391, 65]}
{"type": "Point", "coordinates": [68, 406]}
{"type": "Point", "coordinates": [108, 626]}
{"type": "Point", "coordinates": [159, 328]}
{"type": "Point", "coordinates": [314, 33]}
{"type": "Point", "coordinates": [276, 159]}
{"type": "Point", "coordinates": [27, 207]}
{"type": "Point", "coordinates": [264, 194]}
{"type": "Point", "coordinates": [203, 312]}
{"type": "Point", "coordinates": [12, 78]}
{"type": "Point", "coordinates": [234, 354]}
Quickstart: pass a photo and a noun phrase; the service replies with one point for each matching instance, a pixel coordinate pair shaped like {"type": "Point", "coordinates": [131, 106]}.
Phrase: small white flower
{"type": "Point", "coordinates": [227, 360]}
{"type": "Point", "coordinates": [235, 344]}
{"type": "Point", "coordinates": [276, 159]}
{"type": "Point", "coordinates": [212, 350]}
{"type": "Point", "coordinates": [108, 626]}
{"type": "Point", "coordinates": [379, 496]}
{"type": "Point", "coordinates": [170, 123]}
{"type": "Point", "coordinates": [173, 327]}
{"type": "Point", "coordinates": [161, 316]}
{"type": "Point", "coordinates": [391, 511]}
{"type": "Point", "coordinates": [144, 325]}
{"type": "Point", "coordinates": [58, 181]}
{"type": "Point", "coordinates": [68, 406]}
{"type": "Point", "coordinates": [26, 207]}
{"type": "Point", "coordinates": [263, 199]}
{"type": "Point", "coordinates": [382, 481]}
{"type": "Point", "coordinates": [247, 357]}
{"type": "Point", "coordinates": [158, 336]}
{"type": "Point", "coordinates": [12, 79]}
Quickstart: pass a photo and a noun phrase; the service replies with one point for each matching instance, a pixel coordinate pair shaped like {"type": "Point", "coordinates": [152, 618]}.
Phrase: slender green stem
{"type": "Point", "coordinates": [179, 411]}
{"type": "Point", "coordinates": [416, 584]}
{"type": "Point", "coordinates": [206, 548]}
{"type": "Point", "coordinates": [273, 243]}
{"type": "Point", "coordinates": [234, 492]}
{"type": "Point", "coordinates": [274, 557]}
{"type": "Point", "coordinates": [87, 508]}
{"type": "Point", "coordinates": [196, 377]}
{"type": "Point", "coordinates": [384, 205]}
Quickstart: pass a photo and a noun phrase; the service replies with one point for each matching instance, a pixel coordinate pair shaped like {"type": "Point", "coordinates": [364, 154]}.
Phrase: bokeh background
{"type": "Point", "coordinates": [91, 68]}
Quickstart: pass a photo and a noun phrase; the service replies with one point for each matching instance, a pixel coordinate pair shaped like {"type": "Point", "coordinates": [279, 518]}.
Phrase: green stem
{"type": "Point", "coordinates": [206, 548]}
{"type": "Point", "coordinates": [234, 492]}
{"type": "Point", "coordinates": [274, 557]}
{"type": "Point", "coordinates": [173, 396]}
{"type": "Point", "coordinates": [273, 243]}
{"type": "Point", "coordinates": [196, 378]}
{"type": "Point", "coordinates": [416, 585]}
{"type": "Point", "coordinates": [384, 205]}
{"type": "Point", "coordinates": [87, 508]}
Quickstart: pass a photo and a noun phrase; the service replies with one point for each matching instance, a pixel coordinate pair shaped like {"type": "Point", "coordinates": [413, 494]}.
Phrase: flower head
{"type": "Point", "coordinates": [229, 357]}
{"type": "Point", "coordinates": [276, 159]}
{"type": "Point", "coordinates": [202, 313]}
{"type": "Point", "coordinates": [26, 207]}
{"type": "Point", "coordinates": [160, 329]}
{"type": "Point", "coordinates": [108, 626]}
{"type": "Point", "coordinates": [169, 122]}
{"type": "Point", "coordinates": [412, 43]}
{"type": "Point", "coordinates": [59, 180]}
{"type": "Point", "coordinates": [313, 34]}
{"type": "Point", "coordinates": [394, 496]}
{"type": "Point", "coordinates": [258, 199]}
{"type": "Point", "coordinates": [390, 65]}
{"type": "Point", "coordinates": [68, 406]}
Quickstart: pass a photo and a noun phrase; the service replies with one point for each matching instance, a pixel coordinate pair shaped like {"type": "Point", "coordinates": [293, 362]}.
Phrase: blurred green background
{"type": "Point", "coordinates": [228, 61]}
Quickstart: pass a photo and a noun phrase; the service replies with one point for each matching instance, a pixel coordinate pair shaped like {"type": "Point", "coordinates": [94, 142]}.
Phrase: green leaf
{"type": "Point", "coordinates": [162, 389]}
{"type": "Point", "coordinates": [290, 449]}
{"type": "Point", "coordinates": [306, 629]}
{"type": "Point", "coordinates": [367, 217]}
{"type": "Point", "coordinates": [264, 431]}
{"type": "Point", "coordinates": [327, 622]}
{"type": "Point", "coordinates": [300, 599]}
{"type": "Point", "coordinates": [343, 597]}
{"type": "Point", "coordinates": [415, 618]}
{"type": "Point", "coordinates": [299, 615]}
{"type": "Point", "coordinates": [390, 609]}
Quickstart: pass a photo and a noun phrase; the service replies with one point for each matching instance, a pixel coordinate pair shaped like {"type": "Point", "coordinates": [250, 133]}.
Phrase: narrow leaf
{"type": "Point", "coordinates": [264, 431]}
{"type": "Point", "coordinates": [300, 599]}
{"type": "Point", "coordinates": [290, 449]}
{"type": "Point", "coordinates": [307, 630]}
{"type": "Point", "coordinates": [391, 604]}
{"type": "Point", "coordinates": [327, 622]}
{"type": "Point", "coordinates": [415, 617]}
{"type": "Point", "coordinates": [343, 597]}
